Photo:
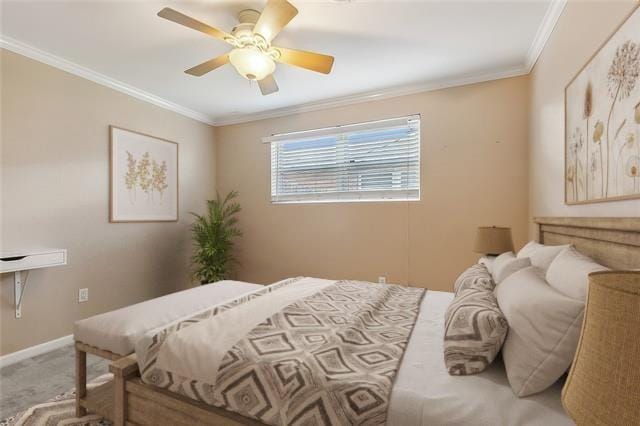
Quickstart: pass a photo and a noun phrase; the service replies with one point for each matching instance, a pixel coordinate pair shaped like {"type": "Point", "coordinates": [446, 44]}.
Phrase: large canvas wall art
{"type": "Point", "coordinates": [144, 177]}
{"type": "Point", "coordinates": [602, 127]}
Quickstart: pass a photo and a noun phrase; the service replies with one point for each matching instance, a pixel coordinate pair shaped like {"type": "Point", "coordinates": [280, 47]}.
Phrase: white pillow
{"type": "Point", "coordinates": [506, 264]}
{"type": "Point", "coordinates": [529, 248]}
{"type": "Point", "coordinates": [569, 273]}
{"type": "Point", "coordinates": [541, 256]}
{"type": "Point", "coordinates": [544, 329]}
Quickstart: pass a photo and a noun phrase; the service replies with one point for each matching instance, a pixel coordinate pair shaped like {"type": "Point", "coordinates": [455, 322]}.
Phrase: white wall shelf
{"type": "Point", "coordinates": [24, 260]}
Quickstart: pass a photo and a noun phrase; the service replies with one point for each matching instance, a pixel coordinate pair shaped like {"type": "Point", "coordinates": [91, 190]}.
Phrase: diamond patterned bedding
{"type": "Point", "coordinates": [328, 358]}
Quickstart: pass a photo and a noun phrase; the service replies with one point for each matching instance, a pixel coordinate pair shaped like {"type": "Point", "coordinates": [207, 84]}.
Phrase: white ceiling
{"type": "Point", "coordinates": [379, 46]}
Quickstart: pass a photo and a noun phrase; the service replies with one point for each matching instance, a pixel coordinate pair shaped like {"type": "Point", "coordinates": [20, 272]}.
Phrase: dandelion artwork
{"type": "Point", "coordinates": [144, 177]}
{"type": "Point", "coordinates": [602, 122]}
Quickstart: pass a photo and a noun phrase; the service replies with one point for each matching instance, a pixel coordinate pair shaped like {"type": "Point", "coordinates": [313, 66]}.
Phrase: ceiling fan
{"type": "Point", "coordinates": [252, 55]}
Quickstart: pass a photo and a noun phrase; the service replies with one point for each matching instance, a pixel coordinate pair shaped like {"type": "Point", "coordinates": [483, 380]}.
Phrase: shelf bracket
{"type": "Point", "coordinates": [18, 290]}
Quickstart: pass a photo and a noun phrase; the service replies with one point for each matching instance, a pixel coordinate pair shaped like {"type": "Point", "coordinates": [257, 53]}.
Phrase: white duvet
{"type": "Point", "coordinates": [425, 394]}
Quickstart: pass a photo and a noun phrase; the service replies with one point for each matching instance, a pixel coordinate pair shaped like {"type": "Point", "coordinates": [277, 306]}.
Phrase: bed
{"type": "Point", "coordinates": [423, 392]}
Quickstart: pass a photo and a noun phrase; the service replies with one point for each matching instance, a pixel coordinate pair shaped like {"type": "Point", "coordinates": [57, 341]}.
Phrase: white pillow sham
{"type": "Point", "coordinates": [529, 248]}
{"type": "Point", "coordinates": [506, 264]}
{"type": "Point", "coordinates": [544, 329]}
{"type": "Point", "coordinates": [541, 255]}
{"type": "Point", "coordinates": [569, 273]}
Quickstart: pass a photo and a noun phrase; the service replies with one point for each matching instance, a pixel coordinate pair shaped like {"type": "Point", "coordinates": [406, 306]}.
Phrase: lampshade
{"type": "Point", "coordinates": [493, 240]}
{"type": "Point", "coordinates": [603, 387]}
{"type": "Point", "coordinates": [251, 63]}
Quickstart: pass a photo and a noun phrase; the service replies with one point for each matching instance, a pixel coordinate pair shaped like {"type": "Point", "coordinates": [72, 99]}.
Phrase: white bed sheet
{"type": "Point", "coordinates": [425, 394]}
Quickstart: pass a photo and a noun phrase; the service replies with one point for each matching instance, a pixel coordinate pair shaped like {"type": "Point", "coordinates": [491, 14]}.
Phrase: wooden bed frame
{"type": "Point", "coordinates": [614, 242]}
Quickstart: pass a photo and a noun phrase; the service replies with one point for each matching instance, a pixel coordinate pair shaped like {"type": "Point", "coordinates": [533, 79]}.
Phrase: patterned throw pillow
{"type": "Point", "coordinates": [474, 331]}
{"type": "Point", "coordinates": [477, 276]}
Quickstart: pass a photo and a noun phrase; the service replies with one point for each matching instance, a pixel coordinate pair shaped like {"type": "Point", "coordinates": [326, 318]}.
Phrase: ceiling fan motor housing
{"type": "Point", "coordinates": [243, 32]}
{"type": "Point", "coordinates": [248, 16]}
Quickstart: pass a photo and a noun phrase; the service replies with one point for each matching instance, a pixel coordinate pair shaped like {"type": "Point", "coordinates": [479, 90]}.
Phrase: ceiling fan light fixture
{"type": "Point", "coordinates": [252, 63]}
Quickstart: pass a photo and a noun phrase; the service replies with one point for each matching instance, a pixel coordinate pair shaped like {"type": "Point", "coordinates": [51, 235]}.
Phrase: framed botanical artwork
{"type": "Point", "coordinates": [602, 121]}
{"type": "Point", "coordinates": [144, 177]}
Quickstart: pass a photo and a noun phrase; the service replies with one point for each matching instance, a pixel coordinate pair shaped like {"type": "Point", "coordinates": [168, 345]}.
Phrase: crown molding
{"type": "Point", "coordinates": [34, 53]}
{"type": "Point", "coordinates": [392, 92]}
{"type": "Point", "coordinates": [554, 10]}
{"type": "Point", "coordinates": [546, 27]}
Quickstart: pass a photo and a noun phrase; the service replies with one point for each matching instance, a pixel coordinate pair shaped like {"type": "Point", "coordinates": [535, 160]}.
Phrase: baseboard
{"type": "Point", "coordinates": [32, 351]}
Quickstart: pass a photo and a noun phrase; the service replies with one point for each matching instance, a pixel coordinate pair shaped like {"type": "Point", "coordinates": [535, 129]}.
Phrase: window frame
{"type": "Point", "coordinates": [386, 195]}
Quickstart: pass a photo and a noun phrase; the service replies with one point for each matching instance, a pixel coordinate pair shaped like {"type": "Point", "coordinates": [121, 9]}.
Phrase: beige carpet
{"type": "Point", "coordinates": [37, 379]}
{"type": "Point", "coordinates": [60, 410]}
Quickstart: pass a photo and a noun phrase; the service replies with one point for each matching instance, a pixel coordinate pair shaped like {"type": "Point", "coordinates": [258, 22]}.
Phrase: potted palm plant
{"type": "Point", "coordinates": [214, 234]}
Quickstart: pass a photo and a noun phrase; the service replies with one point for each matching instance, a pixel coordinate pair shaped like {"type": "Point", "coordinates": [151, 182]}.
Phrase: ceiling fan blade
{"type": "Point", "coordinates": [307, 60]}
{"type": "Point", "coordinates": [187, 21]}
{"type": "Point", "coordinates": [210, 65]}
{"type": "Point", "coordinates": [268, 85]}
{"type": "Point", "coordinates": [274, 17]}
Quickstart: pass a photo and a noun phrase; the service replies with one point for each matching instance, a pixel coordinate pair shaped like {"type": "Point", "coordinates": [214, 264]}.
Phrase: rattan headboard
{"type": "Point", "coordinates": [613, 242]}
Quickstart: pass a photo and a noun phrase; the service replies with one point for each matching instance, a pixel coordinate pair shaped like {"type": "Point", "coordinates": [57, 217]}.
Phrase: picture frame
{"type": "Point", "coordinates": [602, 121]}
{"type": "Point", "coordinates": [143, 177]}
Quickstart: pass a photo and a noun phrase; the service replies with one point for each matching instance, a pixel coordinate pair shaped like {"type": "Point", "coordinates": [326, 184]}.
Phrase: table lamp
{"type": "Point", "coordinates": [603, 387]}
{"type": "Point", "coordinates": [493, 240]}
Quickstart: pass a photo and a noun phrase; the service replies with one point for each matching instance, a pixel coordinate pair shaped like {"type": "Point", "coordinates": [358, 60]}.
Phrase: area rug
{"type": "Point", "coordinates": [60, 410]}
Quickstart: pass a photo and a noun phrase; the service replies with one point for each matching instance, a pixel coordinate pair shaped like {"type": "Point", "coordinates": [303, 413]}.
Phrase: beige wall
{"type": "Point", "coordinates": [579, 33]}
{"type": "Point", "coordinates": [55, 194]}
{"type": "Point", "coordinates": [474, 172]}
{"type": "Point", "coordinates": [492, 154]}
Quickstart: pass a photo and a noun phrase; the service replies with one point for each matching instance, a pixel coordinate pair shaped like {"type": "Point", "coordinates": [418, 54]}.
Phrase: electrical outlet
{"type": "Point", "coordinates": [83, 295]}
{"type": "Point", "coordinates": [382, 280]}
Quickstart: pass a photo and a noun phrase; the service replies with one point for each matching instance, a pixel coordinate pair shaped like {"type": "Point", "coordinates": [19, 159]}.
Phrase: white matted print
{"type": "Point", "coordinates": [144, 177]}
{"type": "Point", "coordinates": [602, 122]}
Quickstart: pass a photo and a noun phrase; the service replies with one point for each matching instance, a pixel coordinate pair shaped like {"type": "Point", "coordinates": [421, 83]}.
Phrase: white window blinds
{"type": "Point", "coordinates": [371, 161]}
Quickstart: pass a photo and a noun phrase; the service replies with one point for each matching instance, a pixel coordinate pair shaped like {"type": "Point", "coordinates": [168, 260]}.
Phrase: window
{"type": "Point", "coordinates": [374, 161]}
